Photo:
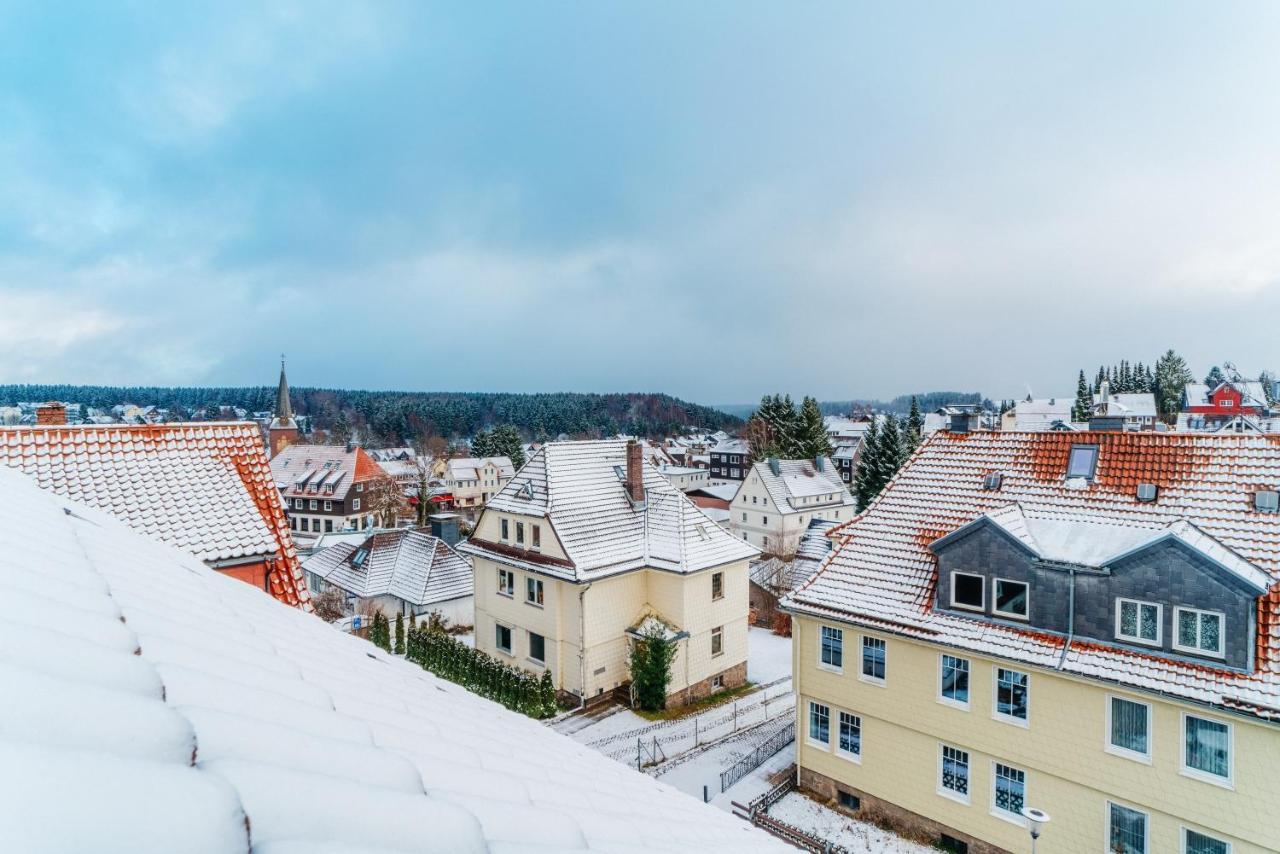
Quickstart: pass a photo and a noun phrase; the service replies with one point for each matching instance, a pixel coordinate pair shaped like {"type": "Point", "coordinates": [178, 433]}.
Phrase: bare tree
{"type": "Point", "coordinates": [386, 500]}
{"type": "Point", "coordinates": [330, 605]}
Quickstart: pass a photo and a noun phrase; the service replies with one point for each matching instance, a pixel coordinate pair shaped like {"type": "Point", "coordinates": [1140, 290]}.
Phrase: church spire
{"type": "Point", "coordinates": [284, 412]}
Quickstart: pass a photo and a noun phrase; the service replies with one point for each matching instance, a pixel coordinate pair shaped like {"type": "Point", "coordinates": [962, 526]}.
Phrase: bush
{"type": "Point", "coordinates": [651, 658]}
{"type": "Point", "coordinates": [400, 634]}
{"type": "Point", "coordinates": [782, 625]}
{"type": "Point", "coordinates": [450, 658]}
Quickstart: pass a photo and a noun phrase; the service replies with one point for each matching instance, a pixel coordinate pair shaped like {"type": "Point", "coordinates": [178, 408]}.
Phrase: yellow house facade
{"type": "Point", "coordinates": [587, 547]}
{"type": "Point", "coordinates": [1080, 623]}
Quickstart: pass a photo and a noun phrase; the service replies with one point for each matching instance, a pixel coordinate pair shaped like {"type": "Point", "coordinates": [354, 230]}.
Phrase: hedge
{"type": "Point", "coordinates": [450, 658]}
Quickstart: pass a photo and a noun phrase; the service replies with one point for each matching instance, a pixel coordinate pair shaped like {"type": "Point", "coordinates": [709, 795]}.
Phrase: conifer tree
{"type": "Point", "coordinates": [1171, 378]}
{"type": "Point", "coordinates": [399, 633]}
{"type": "Point", "coordinates": [914, 429]}
{"type": "Point", "coordinates": [1080, 412]}
{"type": "Point", "coordinates": [813, 431]}
{"type": "Point", "coordinates": [890, 455]}
{"type": "Point", "coordinates": [867, 472]}
{"type": "Point", "coordinates": [1215, 377]}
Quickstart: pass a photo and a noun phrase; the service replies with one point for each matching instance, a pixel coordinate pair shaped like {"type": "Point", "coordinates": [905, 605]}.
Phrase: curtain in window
{"type": "Point", "coordinates": [1128, 725]}
{"type": "Point", "coordinates": [1207, 747]}
{"type": "Point", "coordinates": [1011, 788]}
{"type": "Point", "coordinates": [1128, 831]}
{"type": "Point", "coordinates": [850, 733]}
{"type": "Point", "coordinates": [955, 770]}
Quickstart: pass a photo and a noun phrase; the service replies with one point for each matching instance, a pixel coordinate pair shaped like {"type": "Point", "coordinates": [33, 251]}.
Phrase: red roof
{"type": "Point", "coordinates": [205, 488]}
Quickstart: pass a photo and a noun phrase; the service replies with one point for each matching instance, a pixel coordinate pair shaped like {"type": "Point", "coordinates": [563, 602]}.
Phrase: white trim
{"type": "Point", "coordinates": [982, 599]}
{"type": "Point", "coordinates": [808, 726]}
{"type": "Point", "coordinates": [855, 758]}
{"type": "Point", "coordinates": [1182, 838]}
{"type": "Point", "coordinates": [995, 590]}
{"type": "Point", "coordinates": [951, 793]}
{"type": "Point", "coordinates": [879, 682]}
{"type": "Point", "coordinates": [822, 665]}
{"type": "Point", "coordinates": [1124, 752]}
{"type": "Point", "coordinates": [1025, 723]}
{"type": "Point", "coordinates": [1221, 652]}
{"type": "Point", "coordinates": [1141, 640]}
{"type": "Point", "coordinates": [948, 701]}
{"type": "Point", "coordinates": [995, 811]}
{"type": "Point", "coordinates": [1106, 826]}
{"type": "Point", "coordinates": [1227, 782]}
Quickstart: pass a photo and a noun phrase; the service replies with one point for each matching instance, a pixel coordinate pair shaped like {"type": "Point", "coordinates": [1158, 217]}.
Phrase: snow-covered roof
{"type": "Point", "coordinates": [1198, 394]}
{"type": "Point", "coordinates": [205, 488]}
{"type": "Point", "coordinates": [406, 563]}
{"type": "Point", "coordinates": [468, 468]}
{"type": "Point", "coordinates": [1039, 414]}
{"type": "Point", "coordinates": [723, 491]}
{"type": "Point", "coordinates": [801, 486]}
{"type": "Point", "coordinates": [883, 572]}
{"type": "Point", "coordinates": [732, 446]}
{"type": "Point", "coordinates": [176, 709]}
{"type": "Point", "coordinates": [324, 471]}
{"type": "Point", "coordinates": [578, 487]}
{"type": "Point", "coordinates": [1135, 405]}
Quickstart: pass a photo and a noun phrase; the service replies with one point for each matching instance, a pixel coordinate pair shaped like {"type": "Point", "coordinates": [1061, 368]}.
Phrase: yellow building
{"type": "Point", "coordinates": [588, 547]}
{"type": "Point", "coordinates": [1083, 623]}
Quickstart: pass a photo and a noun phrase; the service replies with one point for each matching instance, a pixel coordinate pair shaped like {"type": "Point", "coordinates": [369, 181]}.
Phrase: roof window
{"type": "Point", "coordinates": [993, 481]}
{"type": "Point", "coordinates": [1083, 461]}
{"type": "Point", "coordinates": [358, 559]}
{"type": "Point", "coordinates": [526, 491]}
{"type": "Point", "coordinates": [1147, 492]}
{"type": "Point", "coordinates": [1266, 501]}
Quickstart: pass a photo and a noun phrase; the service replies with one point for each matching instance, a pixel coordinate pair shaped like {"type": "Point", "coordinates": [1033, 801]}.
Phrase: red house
{"type": "Point", "coordinates": [1205, 408]}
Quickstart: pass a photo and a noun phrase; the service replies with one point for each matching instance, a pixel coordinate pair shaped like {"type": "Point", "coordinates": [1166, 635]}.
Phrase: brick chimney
{"type": "Point", "coordinates": [635, 472]}
{"type": "Point", "coordinates": [52, 412]}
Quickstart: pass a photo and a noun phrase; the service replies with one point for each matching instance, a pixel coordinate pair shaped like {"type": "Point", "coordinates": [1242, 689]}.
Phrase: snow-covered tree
{"type": "Point", "coordinates": [866, 476]}
{"type": "Point", "coordinates": [399, 633]}
{"type": "Point", "coordinates": [913, 430]}
{"type": "Point", "coordinates": [1084, 400]}
{"type": "Point", "coordinates": [1171, 378]}
{"type": "Point", "coordinates": [813, 431]}
{"type": "Point", "coordinates": [1215, 377]}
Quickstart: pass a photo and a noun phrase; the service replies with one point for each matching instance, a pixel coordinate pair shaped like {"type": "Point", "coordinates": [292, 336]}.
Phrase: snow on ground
{"type": "Point", "coordinates": [469, 639]}
{"type": "Point", "coordinates": [839, 829]}
{"type": "Point", "coordinates": [768, 656]}
{"type": "Point", "coordinates": [756, 783]}
{"type": "Point", "coordinates": [702, 768]}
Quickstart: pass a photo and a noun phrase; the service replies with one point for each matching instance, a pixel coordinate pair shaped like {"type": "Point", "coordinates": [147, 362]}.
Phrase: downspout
{"type": "Point", "coordinates": [1071, 617]}
{"type": "Point", "coordinates": [582, 641]}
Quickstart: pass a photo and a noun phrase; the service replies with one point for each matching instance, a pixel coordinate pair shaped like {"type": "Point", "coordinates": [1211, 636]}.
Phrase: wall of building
{"type": "Point", "coordinates": [250, 573]}
{"type": "Point", "coordinates": [1069, 773]}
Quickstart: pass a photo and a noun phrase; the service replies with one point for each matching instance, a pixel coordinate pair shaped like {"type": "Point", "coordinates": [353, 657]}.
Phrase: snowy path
{"type": "Point", "coordinates": [839, 829]}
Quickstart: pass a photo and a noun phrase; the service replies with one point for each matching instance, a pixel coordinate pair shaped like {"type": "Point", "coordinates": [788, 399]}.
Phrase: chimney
{"type": "Point", "coordinates": [444, 526]}
{"type": "Point", "coordinates": [52, 412]}
{"type": "Point", "coordinates": [635, 473]}
{"type": "Point", "coordinates": [1101, 419]}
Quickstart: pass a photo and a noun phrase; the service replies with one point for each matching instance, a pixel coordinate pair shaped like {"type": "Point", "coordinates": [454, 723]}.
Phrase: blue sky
{"type": "Point", "coordinates": [716, 200]}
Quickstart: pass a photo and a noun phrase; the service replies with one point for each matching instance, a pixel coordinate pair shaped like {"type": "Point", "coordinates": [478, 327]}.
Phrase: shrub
{"type": "Point", "coordinates": [399, 634]}
{"type": "Point", "coordinates": [651, 657]}
{"type": "Point", "coordinates": [451, 659]}
{"type": "Point", "coordinates": [782, 625]}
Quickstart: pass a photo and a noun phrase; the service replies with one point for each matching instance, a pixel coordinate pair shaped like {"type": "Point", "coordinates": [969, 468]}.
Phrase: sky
{"type": "Point", "coordinates": [716, 200]}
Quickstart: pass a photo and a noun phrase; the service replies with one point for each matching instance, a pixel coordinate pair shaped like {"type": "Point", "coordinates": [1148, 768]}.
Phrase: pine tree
{"type": "Point", "coordinates": [1215, 377]}
{"type": "Point", "coordinates": [546, 695]}
{"type": "Point", "coordinates": [890, 455]}
{"type": "Point", "coordinates": [399, 633]}
{"type": "Point", "coordinates": [1171, 378]}
{"type": "Point", "coordinates": [1097, 382]}
{"type": "Point", "coordinates": [1080, 412]}
{"type": "Point", "coordinates": [865, 476]}
{"type": "Point", "coordinates": [413, 621]}
{"type": "Point", "coordinates": [813, 431]}
{"type": "Point", "coordinates": [914, 429]}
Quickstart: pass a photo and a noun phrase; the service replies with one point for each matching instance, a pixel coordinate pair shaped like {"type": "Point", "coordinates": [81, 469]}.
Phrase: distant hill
{"type": "Point", "coordinates": [929, 401]}
{"type": "Point", "coordinates": [394, 417]}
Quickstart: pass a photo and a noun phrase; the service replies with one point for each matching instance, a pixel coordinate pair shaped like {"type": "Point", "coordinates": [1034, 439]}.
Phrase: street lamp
{"type": "Point", "coordinates": [1036, 820]}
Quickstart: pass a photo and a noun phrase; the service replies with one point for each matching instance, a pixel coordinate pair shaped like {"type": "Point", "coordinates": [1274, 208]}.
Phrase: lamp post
{"type": "Point", "coordinates": [1036, 820]}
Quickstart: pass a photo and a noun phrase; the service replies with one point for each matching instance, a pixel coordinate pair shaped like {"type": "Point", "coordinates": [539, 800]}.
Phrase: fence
{"type": "Point", "coordinates": [757, 812]}
{"type": "Point", "coordinates": [753, 760]}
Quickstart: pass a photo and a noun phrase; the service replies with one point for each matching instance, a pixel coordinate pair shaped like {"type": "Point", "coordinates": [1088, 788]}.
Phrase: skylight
{"type": "Point", "coordinates": [1266, 501]}
{"type": "Point", "coordinates": [1083, 461]}
{"type": "Point", "coordinates": [1147, 492]}
{"type": "Point", "coordinates": [358, 559]}
{"type": "Point", "coordinates": [993, 481]}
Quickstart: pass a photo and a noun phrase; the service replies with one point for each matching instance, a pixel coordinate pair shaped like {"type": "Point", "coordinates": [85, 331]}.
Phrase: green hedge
{"type": "Point", "coordinates": [450, 658]}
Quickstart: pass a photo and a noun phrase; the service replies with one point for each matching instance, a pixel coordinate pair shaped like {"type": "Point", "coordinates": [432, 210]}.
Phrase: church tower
{"type": "Point", "coordinates": [283, 430]}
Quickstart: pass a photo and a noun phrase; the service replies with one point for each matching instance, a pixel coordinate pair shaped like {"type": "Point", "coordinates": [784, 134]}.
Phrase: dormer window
{"type": "Point", "coordinates": [1083, 461]}
{"type": "Point", "coordinates": [968, 591]}
{"type": "Point", "coordinates": [1138, 622]}
{"type": "Point", "coordinates": [1197, 631]}
{"type": "Point", "coordinates": [1011, 599]}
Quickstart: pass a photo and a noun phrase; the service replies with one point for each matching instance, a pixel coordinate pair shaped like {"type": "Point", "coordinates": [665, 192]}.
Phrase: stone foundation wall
{"type": "Point", "coordinates": [730, 678]}
{"type": "Point", "coordinates": [901, 821]}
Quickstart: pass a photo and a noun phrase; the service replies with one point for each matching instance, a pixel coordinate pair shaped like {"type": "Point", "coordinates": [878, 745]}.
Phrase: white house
{"type": "Point", "coordinates": [779, 498]}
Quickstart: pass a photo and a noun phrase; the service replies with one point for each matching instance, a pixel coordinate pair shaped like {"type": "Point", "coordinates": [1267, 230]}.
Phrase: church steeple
{"type": "Point", "coordinates": [284, 412]}
{"type": "Point", "coordinates": [283, 431]}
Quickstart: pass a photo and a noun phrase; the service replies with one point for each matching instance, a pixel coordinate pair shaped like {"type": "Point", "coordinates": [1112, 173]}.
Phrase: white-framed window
{"type": "Point", "coordinates": [1013, 696]}
{"type": "Point", "coordinates": [875, 660]}
{"type": "Point", "coordinates": [1195, 842]}
{"type": "Point", "coordinates": [968, 591]}
{"type": "Point", "coordinates": [502, 638]}
{"type": "Point", "coordinates": [849, 737]}
{"type": "Point", "coordinates": [1126, 829]}
{"type": "Point", "coordinates": [819, 723]}
{"type": "Point", "coordinates": [533, 590]}
{"type": "Point", "coordinates": [953, 686]}
{"type": "Point", "coordinates": [506, 582]}
{"type": "Point", "coordinates": [717, 641]}
{"type": "Point", "coordinates": [312, 505]}
{"type": "Point", "coordinates": [717, 585]}
{"type": "Point", "coordinates": [831, 648]}
{"type": "Point", "coordinates": [505, 527]}
{"type": "Point", "coordinates": [359, 487]}
{"type": "Point", "coordinates": [1139, 622]}
{"type": "Point", "coordinates": [298, 504]}
{"type": "Point", "coordinates": [1129, 728]}
{"type": "Point", "coordinates": [1083, 461]}
{"type": "Point", "coordinates": [744, 517]}
{"type": "Point", "coordinates": [1206, 749]}
{"type": "Point", "coordinates": [328, 505]}
{"type": "Point", "coordinates": [1008, 792]}
{"type": "Point", "coordinates": [953, 772]}
{"type": "Point", "coordinates": [355, 504]}
{"type": "Point", "coordinates": [1198, 631]}
{"type": "Point", "coordinates": [1011, 598]}
{"type": "Point", "coordinates": [537, 648]}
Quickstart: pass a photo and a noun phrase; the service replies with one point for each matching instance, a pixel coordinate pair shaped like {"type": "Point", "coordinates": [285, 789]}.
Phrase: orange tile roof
{"type": "Point", "coordinates": [883, 573]}
{"type": "Point", "coordinates": [205, 488]}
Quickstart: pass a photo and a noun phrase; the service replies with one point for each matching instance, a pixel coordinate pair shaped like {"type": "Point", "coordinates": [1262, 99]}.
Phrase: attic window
{"type": "Point", "coordinates": [621, 472]}
{"type": "Point", "coordinates": [1266, 502]}
{"type": "Point", "coordinates": [992, 481]}
{"type": "Point", "coordinates": [358, 559]}
{"type": "Point", "coordinates": [526, 491]}
{"type": "Point", "coordinates": [1147, 492]}
{"type": "Point", "coordinates": [1083, 461]}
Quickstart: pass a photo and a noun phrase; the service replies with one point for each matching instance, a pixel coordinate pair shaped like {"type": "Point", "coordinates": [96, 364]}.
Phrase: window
{"type": "Point", "coordinates": [1129, 728]}
{"type": "Point", "coordinates": [306, 524]}
{"type": "Point", "coordinates": [1083, 460]}
{"type": "Point", "coordinates": [506, 529]}
{"type": "Point", "coordinates": [717, 681]}
{"type": "Point", "coordinates": [955, 680]}
{"type": "Point", "coordinates": [1194, 842]}
{"type": "Point", "coordinates": [355, 504]}
{"type": "Point", "coordinates": [520, 533]}
{"type": "Point", "coordinates": [1127, 830]}
{"type": "Point", "coordinates": [328, 525]}
{"type": "Point", "coordinates": [298, 504]}
{"type": "Point", "coordinates": [744, 517]}
{"type": "Point", "coordinates": [1011, 598]}
{"type": "Point", "coordinates": [832, 652]}
{"type": "Point", "coordinates": [764, 520]}
{"type": "Point", "coordinates": [537, 647]}
{"type": "Point", "coordinates": [850, 802]}
{"type": "Point", "coordinates": [328, 505]}
{"type": "Point", "coordinates": [754, 499]}
{"type": "Point", "coordinates": [1012, 693]}
{"type": "Point", "coordinates": [536, 535]}
{"type": "Point", "coordinates": [953, 778]}
{"type": "Point", "coordinates": [967, 591]}
{"type": "Point", "coordinates": [1206, 748]}
{"type": "Point", "coordinates": [850, 741]}
{"type": "Point", "coordinates": [311, 505]}
{"type": "Point", "coordinates": [717, 641]}
{"type": "Point", "coordinates": [873, 659]}
{"type": "Point", "coordinates": [533, 590]}
{"type": "Point", "coordinates": [1010, 791]}
{"type": "Point", "coordinates": [502, 638]}
{"type": "Point", "coordinates": [717, 585]}
{"type": "Point", "coordinates": [506, 582]}
{"type": "Point", "coordinates": [1198, 631]}
{"type": "Point", "coordinates": [819, 723]}
{"type": "Point", "coordinates": [1138, 621]}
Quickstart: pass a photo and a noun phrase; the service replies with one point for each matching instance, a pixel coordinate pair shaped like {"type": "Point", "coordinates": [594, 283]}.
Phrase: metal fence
{"type": "Point", "coordinates": [763, 752]}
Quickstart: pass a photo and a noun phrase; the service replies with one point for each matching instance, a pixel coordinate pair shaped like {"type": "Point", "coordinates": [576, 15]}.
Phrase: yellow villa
{"type": "Point", "coordinates": [1084, 623]}
{"type": "Point", "coordinates": [587, 547]}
